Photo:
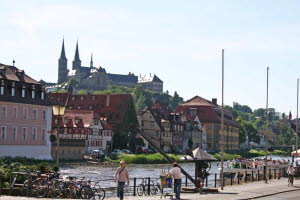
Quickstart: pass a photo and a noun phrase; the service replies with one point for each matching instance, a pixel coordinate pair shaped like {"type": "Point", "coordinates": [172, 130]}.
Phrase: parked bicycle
{"type": "Point", "coordinates": [142, 188]}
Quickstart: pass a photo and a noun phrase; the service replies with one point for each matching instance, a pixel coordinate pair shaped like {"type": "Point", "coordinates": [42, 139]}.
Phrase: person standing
{"type": "Point", "coordinates": [291, 171]}
{"type": "Point", "coordinates": [121, 176]}
{"type": "Point", "coordinates": [176, 173]}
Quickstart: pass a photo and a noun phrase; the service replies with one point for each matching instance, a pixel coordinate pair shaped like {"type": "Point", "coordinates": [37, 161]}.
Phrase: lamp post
{"type": "Point", "coordinates": [58, 110]}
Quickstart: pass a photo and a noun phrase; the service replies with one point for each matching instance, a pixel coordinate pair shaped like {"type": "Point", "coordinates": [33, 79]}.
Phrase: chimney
{"type": "Point", "coordinates": [214, 101]}
{"type": "Point", "coordinates": [108, 100]}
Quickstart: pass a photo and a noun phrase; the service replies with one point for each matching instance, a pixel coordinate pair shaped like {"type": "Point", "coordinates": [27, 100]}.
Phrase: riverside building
{"type": "Point", "coordinates": [25, 115]}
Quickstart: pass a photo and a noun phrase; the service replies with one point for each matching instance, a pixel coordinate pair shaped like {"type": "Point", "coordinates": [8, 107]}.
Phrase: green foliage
{"type": "Point", "coordinates": [82, 92]}
{"type": "Point", "coordinates": [156, 158]}
{"type": "Point", "coordinates": [226, 156]}
{"type": "Point", "coordinates": [287, 135]}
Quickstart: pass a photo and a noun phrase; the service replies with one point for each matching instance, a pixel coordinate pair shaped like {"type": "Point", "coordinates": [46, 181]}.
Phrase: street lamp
{"type": "Point", "coordinates": [58, 110]}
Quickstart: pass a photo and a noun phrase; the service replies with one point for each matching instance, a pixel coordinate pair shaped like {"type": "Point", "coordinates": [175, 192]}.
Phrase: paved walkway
{"type": "Point", "coordinates": [237, 192]}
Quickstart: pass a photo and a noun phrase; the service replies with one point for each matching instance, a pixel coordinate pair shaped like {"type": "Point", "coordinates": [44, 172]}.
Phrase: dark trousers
{"type": "Point", "coordinates": [177, 187]}
{"type": "Point", "coordinates": [121, 189]}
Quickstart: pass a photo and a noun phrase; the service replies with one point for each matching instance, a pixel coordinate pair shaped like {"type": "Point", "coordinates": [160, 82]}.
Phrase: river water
{"type": "Point", "coordinates": [105, 173]}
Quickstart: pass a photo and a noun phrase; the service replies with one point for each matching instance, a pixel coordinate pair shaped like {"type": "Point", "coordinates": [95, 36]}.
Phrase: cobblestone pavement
{"type": "Point", "coordinates": [237, 192]}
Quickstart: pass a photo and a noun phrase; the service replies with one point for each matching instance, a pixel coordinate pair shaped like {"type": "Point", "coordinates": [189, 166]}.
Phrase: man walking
{"type": "Point", "coordinates": [176, 173]}
{"type": "Point", "coordinates": [121, 176]}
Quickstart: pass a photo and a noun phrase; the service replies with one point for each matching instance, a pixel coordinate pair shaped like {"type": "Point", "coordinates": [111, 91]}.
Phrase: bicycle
{"type": "Point", "coordinates": [155, 187]}
{"type": "Point", "coordinates": [142, 188]}
{"type": "Point", "coordinates": [96, 191]}
{"type": "Point", "coordinates": [290, 180]}
{"type": "Point", "coordinates": [35, 188]}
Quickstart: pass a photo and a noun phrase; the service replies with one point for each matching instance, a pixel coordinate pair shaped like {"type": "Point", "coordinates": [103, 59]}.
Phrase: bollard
{"type": "Point", "coordinates": [270, 175]}
{"type": "Point", "coordinates": [257, 175]}
{"type": "Point", "coordinates": [252, 176]}
{"type": "Point", "coordinates": [215, 180]}
{"type": "Point", "coordinates": [206, 181]}
{"type": "Point", "coordinates": [231, 179]}
{"type": "Point", "coordinates": [238, 178]}
{"type": "Point", "coordinates": [134, 186]}
{"type": "Point", "coordinates": [275, 173]}
{"type": "Point", "coordinates": [186, 180]}
{"type": "Point", "coordinates": [149, 186]}
{"type": "Point", "coordinates": [245, 176]}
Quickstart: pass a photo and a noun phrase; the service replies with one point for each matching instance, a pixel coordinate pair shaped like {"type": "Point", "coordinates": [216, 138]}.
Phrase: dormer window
{"type": "Point", "coordinates": [2, 88]}
{"type": "Point", "coordinates": [2, 71]}
{"type": "Point", "coordinates": [13, 90]}
{"type": "Point", "coordinates": [81, 98]}
{"type": "Point", "coordinates": [33, 92]}
{"type": "Point", "coordinates": [23, 92]}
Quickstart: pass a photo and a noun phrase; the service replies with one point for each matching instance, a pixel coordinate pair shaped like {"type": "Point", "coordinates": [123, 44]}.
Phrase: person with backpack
{"type": "Point", "coordinates": [121, 176]}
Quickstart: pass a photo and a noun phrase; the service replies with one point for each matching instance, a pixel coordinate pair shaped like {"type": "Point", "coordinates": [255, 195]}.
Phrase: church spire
{"type": "Point", "coordinates": [63, 53]}
{"type": "Point", "coordinates": [76, 58]}
{"type": "Point", "coordinates": [91, 63]}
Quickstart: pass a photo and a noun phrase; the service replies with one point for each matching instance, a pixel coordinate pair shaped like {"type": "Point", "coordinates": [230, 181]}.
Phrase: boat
{"type": "Point", "coordinates": [95, 157]}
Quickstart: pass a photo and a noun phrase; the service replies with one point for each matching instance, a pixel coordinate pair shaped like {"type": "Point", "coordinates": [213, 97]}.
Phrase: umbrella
{"type": "Point", "coordinates": [199, 154]}
{"type": "Point", "coordinates": [296, 153]}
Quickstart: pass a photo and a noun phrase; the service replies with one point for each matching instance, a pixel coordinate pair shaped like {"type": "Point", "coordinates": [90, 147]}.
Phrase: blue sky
{"type": "Point", "coordinates": [180, 41]}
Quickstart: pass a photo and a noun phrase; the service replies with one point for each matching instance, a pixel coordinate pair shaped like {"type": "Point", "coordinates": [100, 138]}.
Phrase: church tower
{"type": "Point", "coordinates": [62, 65]}
{"type": "Point", "coordinates": [91, 63]}
{"type": "Point", "coordinates": [76, 61]}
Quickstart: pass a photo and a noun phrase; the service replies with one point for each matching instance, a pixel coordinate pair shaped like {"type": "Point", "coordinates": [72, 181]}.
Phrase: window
{"type": "Point", "coordinates": [44, 114]}
{"type": "Point", "coordinates": [25, 113]}
{"type": "Point", "coordinates": [3, 133]}
{"type": "Point", "coordinates": [34, 136]}
{"type": "Point", "coordinates": [14, 133]}
{"type": "Point", "coordinates": [43, 95]}
{"type": "Point", "coordinates": [3, 111]}
{"type": "Point", "coordinates": [15, 112]}
{"type": "Point", "coordinates": [23, 92]}
{"type": "Point", "coordinates": [34, 114]}
{"type": "Point", "coordinates": [24, 133]}
{"type": "Point", "coordinates": [13, 91]}
{"type": "Point", "coordinates": [81, 98]}
{"type": "Point", "coordinates": [33, 94]}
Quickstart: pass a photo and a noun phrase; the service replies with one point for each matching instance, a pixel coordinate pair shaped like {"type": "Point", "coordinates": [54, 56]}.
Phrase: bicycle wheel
{"type": "Point", "coordinates": [39, 188]}
{"type": "Point", "coordinates": [140, 190]}
{"type": "Point", "coordinates": [25, 191]}
{"type": "Point", "coordinates": [70, 190]}
{"type": "Point", "coordinates": [55, 189]}
{"type": "Point", "coordinates": [86, 192]}
{"type": "Point", "coordinates": [99, 193]}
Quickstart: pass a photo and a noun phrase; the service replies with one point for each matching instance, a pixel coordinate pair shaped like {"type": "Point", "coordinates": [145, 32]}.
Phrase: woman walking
{"type": "Point", "coordinates": [121, 176]}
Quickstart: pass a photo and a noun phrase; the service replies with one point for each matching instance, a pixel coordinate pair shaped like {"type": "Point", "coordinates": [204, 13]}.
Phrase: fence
{"type": "Point", "coordinates": [212, 180]}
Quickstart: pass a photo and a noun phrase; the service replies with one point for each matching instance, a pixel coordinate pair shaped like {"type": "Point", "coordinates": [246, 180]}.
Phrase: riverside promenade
{"type": "Point", "coordinates": [257, 190]}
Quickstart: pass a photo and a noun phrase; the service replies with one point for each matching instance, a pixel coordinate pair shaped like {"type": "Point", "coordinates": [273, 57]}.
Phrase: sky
{"type": "Point", "coordinates": [180, 41]}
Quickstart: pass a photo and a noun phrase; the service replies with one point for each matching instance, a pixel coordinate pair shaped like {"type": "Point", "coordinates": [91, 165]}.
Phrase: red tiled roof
{"type": "Point", "coordinates": [206, 111]}
{"type": "Point", "coordinates": [197, 101]}
{"type": "Point", "coordinates": [11, 74]}
{"type": "Point", "coordinates": [110, 106]}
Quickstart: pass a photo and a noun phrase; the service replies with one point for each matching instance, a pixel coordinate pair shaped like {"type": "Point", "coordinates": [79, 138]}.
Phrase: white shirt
{"type": "Point", "coordinates": [291, 171]}
{"type": "Point", "coordinates": [176, 172]}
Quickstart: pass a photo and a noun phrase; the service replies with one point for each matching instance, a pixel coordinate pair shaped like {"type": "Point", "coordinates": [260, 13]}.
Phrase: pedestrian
{"type": "Point", "coordinates": [121, 176]}
{"type": "Point", "coordinates": [291, 171]}
{"type": "Point", "coordinates": [176, 173]}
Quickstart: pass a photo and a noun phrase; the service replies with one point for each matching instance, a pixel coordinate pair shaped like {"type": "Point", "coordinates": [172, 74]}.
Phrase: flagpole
{"type": "Point", "coordinates": [222, 131]}
{"type": "Point", "coordinates": [267, 124]}
{"type": "Point", "coordinates": [297, 118]}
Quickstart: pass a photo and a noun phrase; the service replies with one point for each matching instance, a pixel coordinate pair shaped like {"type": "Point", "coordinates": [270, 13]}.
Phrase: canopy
{"type": "Point", "coordinates": [296, 153]}
{"type": "Point", "coordinates": [199, 154]}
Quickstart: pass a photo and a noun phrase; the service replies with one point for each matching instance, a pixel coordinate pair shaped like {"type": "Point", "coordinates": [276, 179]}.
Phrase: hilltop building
{"type": "Point", "coordinates": [25, 115]}
{"type": "Point", "coordinates": [94, 78]}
